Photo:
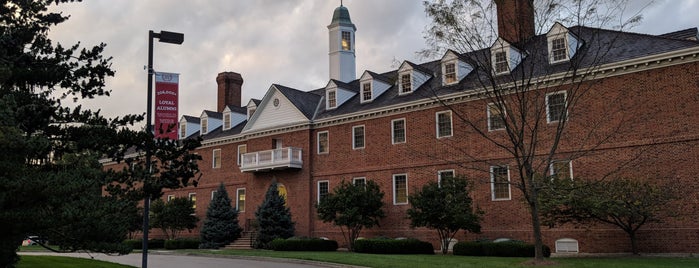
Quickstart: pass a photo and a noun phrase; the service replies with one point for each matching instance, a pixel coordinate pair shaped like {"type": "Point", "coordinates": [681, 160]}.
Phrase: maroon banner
{"type": "Point", "coordinates": [166, 101]}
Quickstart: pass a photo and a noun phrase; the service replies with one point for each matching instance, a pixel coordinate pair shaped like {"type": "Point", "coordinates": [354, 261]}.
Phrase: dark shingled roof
{"type": "Point", "coordinates": [686, 34]}
{"type": "Point", "coordinates": [219, 132]}
{"type": "Point", "coordinates": [191, 119]}
{"type": "Point", "coordinates": [212, 114]}
{"type": "Point", "coordinates": [306, 102]}
{"type": "Point", "coordinates": [236, 109]}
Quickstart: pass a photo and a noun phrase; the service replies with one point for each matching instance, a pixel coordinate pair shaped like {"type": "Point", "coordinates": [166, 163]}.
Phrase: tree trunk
{"type": "Point", "coordinates": [536, 224]}
{"type": "Point", "coordinates": [634, 245]}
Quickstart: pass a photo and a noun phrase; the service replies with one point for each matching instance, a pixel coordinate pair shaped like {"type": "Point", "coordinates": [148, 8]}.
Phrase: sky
{"type": "Point", "coordinates": [266, 41]}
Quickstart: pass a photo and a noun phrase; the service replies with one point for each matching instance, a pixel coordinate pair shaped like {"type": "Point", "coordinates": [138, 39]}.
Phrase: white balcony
{"type": "Point", "coordinates": [272, 159]}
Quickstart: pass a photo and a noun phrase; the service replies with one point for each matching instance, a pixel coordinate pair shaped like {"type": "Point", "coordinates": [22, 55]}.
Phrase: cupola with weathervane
{"type": "Point", "coordinates": [342, 51]}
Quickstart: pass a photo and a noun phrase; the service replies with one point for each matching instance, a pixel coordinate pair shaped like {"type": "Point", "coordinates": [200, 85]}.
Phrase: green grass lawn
{"type": "Point", "coordinates": [64, 262]}
{"type": "Point", "coordinates": [34, 248]}
{"type": "Point", "coordinates": [416, 261]}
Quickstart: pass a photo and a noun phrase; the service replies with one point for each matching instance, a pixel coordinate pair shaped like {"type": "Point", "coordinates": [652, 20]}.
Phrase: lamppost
{"type": "Point", "coordinates": [165, 37]}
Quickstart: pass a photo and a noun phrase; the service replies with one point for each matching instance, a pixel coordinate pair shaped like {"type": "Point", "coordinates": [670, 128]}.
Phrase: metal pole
{"type": "Point", "coordinates": [149, 130]}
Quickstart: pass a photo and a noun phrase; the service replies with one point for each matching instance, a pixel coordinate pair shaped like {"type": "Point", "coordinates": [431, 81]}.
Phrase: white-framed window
{"type": "Point", "coordinates": [183, 130]}
{"type": "Point", "coordinates": [501, 64]}
{"type": "Point", "coordinates": [323, 142]}
{"type": "Point", "coordinates": [496, 116]}
{"type": "Point", "coordinates": [444, 174]}
{"type": "Point", "coordinates": [170, 197]}
{"type": "Point", "coordinates": [193, 198]}
{"type": "Point", "coordinates": [226, 121]}
{"type": "Point", "coordinates": [251, 111]}
{"type": "Point", "coordinates": [332, 99]}
{"type": "Point", "coordinates": [204, 125]}
{"type": "Point", "coordinates": [559, 49]}
{"type": "Point", "coordinates": [240, 199]}
{"type": "Point", "coordinates": [562, 169]}
{"type": "Point", "coordinates": [323, 189]}
{"type": "Point", "coordinates": [406, 83]}
{"type": "Point", "coordinates": [400, 189]}
{"type": "Point", "coordinates": [213, 193]}
{"type": "Point", "coordinates": [444, 125]}
{"type": "Point", "coordinates": [216, 158]}
{"type": "Point", "coordinates": [450, 73]}
{"type": "Point", "coordinates": [346, 40]}
{"type": "Point", "coordinates": [555, 106]}
{"type": "Point", "coordinates": [567, 245]}
{"type": "Point", "coordinates": [358, 141]}
{"type": "Point", "coordinates": [366, 91]}
{"type": "Point", "coordinates": [242, 149]}
{"type": "Point", "coordinates": [500, 182]}
{"type": "Point", "coordinates": [359, 181]}
{"type": "Point", "coordinates": [398, 131]}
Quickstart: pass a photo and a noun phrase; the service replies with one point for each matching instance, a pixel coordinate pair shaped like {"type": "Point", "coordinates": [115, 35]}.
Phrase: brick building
{"type": "Point", "coordinates": [394, 128]}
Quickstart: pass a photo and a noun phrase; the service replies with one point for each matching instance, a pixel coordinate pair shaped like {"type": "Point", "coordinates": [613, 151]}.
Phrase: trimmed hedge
{"type": "Point", "coordinates": [393, 246]}
{"type": "Point", "coordinates": [182, 243]}
{"type": "Point", "coordinates": [152, 243]}
{"type": "Point", "coordinates": [500, 249]}
{"type": "Point", "coordinates": [305, 244]}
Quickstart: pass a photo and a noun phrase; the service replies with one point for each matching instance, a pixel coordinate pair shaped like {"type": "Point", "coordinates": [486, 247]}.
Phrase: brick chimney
{"type": "Point", "coordinates": [515, 19]}
{"type": "Point", "coordinates": [229, 89]}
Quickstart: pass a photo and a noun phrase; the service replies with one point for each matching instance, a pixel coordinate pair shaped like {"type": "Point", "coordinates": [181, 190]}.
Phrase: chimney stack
{"type": "Point", "coordinates": [229, 89]}
{"type": "Point", "coordinates": [515, 19]}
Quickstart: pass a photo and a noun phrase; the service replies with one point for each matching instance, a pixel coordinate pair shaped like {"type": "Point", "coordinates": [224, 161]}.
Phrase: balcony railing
{"type": "Point", "coordinates": [272, 159]}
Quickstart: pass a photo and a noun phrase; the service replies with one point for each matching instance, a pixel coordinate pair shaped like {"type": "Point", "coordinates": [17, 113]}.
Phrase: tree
{"type": "Point", "coordinates": [625, 203]}
{"type": "Point", "coordinates": [352, 207]}
{"type": "Point", "coordinates": [445, 206]}
{"type": "Point", "coordinates": [174, 216]}
{"type": "Point", "coordinates": [517, 96]}
{"type": "Point", "coordinates": [221, 225]}
{"type": "Point", "coordinates": [273, 219]}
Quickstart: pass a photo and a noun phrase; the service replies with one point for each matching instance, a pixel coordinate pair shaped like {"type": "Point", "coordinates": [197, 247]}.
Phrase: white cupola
{"type": "Point", "coordinates": [342, 51]}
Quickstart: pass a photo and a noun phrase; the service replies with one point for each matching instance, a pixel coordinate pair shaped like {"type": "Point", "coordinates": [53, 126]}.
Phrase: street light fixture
{"type": "Point", "coordinates": [164, 37]}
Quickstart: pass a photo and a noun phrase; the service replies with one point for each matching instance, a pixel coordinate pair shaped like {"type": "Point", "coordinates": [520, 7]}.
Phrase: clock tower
{"type": "Point", "coordinates": [342, 50]}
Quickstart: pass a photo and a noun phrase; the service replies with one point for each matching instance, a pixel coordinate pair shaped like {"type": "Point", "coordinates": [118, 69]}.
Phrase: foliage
{"type": "Point", "coordinates": [303, 244]}
{"type": "Point", "coordinates": [352, 207]}
{"type": "Point", "coordinates": [625, 203]}
{"type": "Point", "coordinates": [51, 183]}
{"type": "Point", "coordinates": [221, 225]}
{"type": "Point", "coordinates": [497, 249]}
{"type": "Point", "coordinates": [447, 207]}
{"type": "Point", "coordinates": [273, 219]}
{"type": "Point", "coordinates": [138, 243]}
{"type": "Point", "coordinates": [182, 243]}
{"type": "Point", "coordinates": [174, 216]}
{"type": "Point", "coordinates": [393, 246]}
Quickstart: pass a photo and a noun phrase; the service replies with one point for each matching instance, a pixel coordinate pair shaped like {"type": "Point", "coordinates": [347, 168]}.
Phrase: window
{"type": "Point", "coordinates": [555, 106]}
{"type": "Point", "coordinates": [323, 189]}
{"type": "Point", "coordinates": [323, 142]}
{"type": "Point", "coordinates": [444, 174]}
{"type": "Point", "coordinates": [501, 65]}
{"type": "Point", "coordinates": [242, 149]}
{"type": "Point", "coordinates": [193, 198]}
{"type": "Point", "coordinates": [496, 118]}
{"type": "Point", "coordinates": [500, 182]}
{"type": "Point", "coordinates": [183, 130]}
{"type": "Point", "coordinates": [406, 86]}
{"type": "Point", "coordinates": [558, 50]}
{"type": "Point", "coordinates": [444, 124]}
{"type": "Point", "coordinates": [400, 189]}
{"type": "Point", "coordinates": [213, 193]}
{"type": "Point", "coordinates": [366, 91]}
{"type": "Point", "coordinates": [216, 161]}
{"type": "Point", "coordinates": [358, 137]}
{"type": "Point", "coordinates": [346, 40]}
{"type": "Point", "coordinates": [204, 125]}
{"type": "Point", "coordinates": [226, 121]}
{"type": "Point", "coordinates": [332, 99]}
{"type": "Point", "coordinates": [359, 181]}
{"type": "Point", "coordinates": [240, 200]}
{"type": "Point", "coordinates": [450, 72]}
{"type": "Point", "coordinates": [567, 245]}
{"type": "Point", "coordinates": [170, 197]}
{"type": "Point", "coordinates": [398, 131]}
{"type": "Point", "coordinates": [562, 169]}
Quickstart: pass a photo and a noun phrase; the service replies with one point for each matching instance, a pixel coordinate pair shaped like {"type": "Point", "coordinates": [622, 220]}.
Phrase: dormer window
{"type": "Point", "coordinates": [226, 121]}
{"type": "Point", "coordinates": [450, 72]}
{"type": "Point", "coordinates": [332, 99]}
{"type": "Point", "coordinates": [558, 49]}
{"type": "Point", "coordinates": [366, 91]}
{"type": "Point", "coordinates": [346, 40]}
{"type": "Point", "coordinates": [405, 83]}
{"type": "Point", "coordinates": [183, 130]}
{"type": "Point", "coordinates": [204, 125]}
{"type": "Point", "coordinates": [562, 44]}
{"type": "Point", "coordinates": [501, 63]}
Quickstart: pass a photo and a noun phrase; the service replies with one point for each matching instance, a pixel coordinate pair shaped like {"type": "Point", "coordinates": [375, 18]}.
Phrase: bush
{"type": "Point", "coordinates": [304, 244]}
{"type": "Point", "coordinates": [152, 243]}
{"type": "Point", "coordinates": [501, 249]}
{"type": "Point", "coordinates": [391, 246]}
{"type": "Point", "coordinates": [182, 243]}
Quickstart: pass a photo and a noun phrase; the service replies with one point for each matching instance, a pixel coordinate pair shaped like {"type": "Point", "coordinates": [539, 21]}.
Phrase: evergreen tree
{"type": "Point", "coordinates": [273, 218]}
{"type": "Point", "coordinates": [221, 225]}
{"type": "Point", "coordinates": [174, 216]}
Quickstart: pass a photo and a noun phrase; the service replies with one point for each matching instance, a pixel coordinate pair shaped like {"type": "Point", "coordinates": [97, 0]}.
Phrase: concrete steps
{"type": "Point", "coordinates": [244, 242]}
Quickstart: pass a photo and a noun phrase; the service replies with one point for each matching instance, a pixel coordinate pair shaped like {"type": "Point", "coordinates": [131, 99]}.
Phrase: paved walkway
{"type": "Point", "coordinates": [164, 259]}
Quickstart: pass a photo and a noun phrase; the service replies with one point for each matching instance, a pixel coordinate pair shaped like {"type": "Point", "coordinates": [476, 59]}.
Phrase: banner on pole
{"type": "Point", "coordinates": [166, 102]}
